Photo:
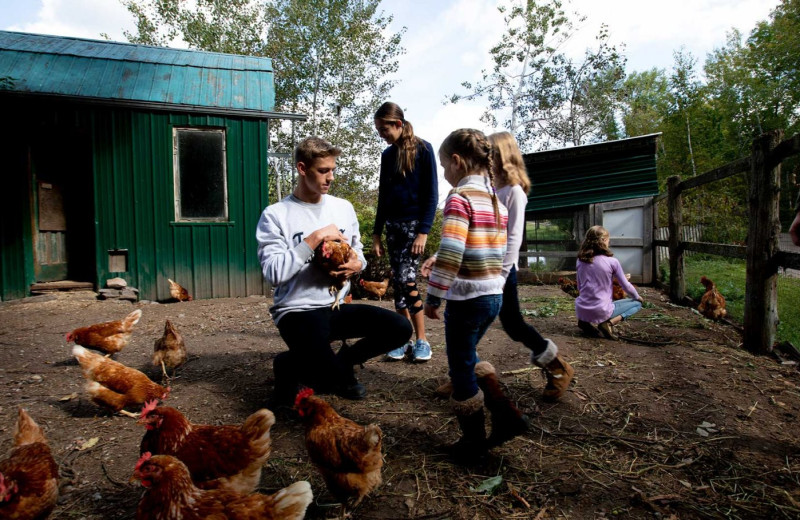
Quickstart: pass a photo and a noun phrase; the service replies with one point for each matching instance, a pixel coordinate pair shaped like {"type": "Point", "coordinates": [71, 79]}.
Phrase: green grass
{"type": "Point", "coordinates": [729, 275]}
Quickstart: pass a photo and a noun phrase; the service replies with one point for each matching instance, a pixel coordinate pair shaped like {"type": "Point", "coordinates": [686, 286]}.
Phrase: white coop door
{"type": "Point", "coordinates": [630, 224]}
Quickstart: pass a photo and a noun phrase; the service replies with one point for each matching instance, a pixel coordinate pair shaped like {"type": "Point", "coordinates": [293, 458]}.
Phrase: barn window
{"type": "Point", "coordinates": [201, 190]}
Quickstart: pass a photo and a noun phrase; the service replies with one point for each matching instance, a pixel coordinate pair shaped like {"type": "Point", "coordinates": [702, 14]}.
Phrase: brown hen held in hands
{"type": "Point", "coordinates": [217, 457]}
{"type": "Point", "coordinates": [171, 495]}
{"type": "Point", "coordinates": [329, 256]}
{"type": "Point", "coordinates": [712, 303]}
{"type": "Point", "coordinates": [347, 454]}
{"type": "Point", "coordinates": [109, 337]}
{"type": "Point", "coordinates": [169, 350]}
{"type": "Point", "coordinates": [28, 474]}
{"type": "Point", "coordinates": [113, 385]}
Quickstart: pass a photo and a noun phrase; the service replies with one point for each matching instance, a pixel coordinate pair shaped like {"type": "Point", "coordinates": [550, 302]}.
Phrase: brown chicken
{"type": "Point", "coordinates": [617, 292]}
{"type": "Point", "coordinates": [171, 495]}
{"type": "Point", "coordinates": [712, 303]}
{"type": "Point", "coordinates": [347, 454]}
{"type": "Point", "coordinates": [178, 292]}
{"type": "Point", "coordinates": [113, 385]}
{"type": "Point", "coordinates": [109, 337]}
{"type": "Point", "coordinates": [377, 289]}
{"type": "Point", "coordinates": [329, 256]}
{"type": "Point", "coordinates": [218, 457]}
{"type": "Point", "coordinates": [28, 474]}
{"type": "Point", "coordinates": [169, 350]}
{"type": "Point", "coordinates": [569, 286]}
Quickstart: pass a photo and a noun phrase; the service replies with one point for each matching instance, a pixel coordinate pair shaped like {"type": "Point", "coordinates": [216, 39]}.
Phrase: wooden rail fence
{"type": "Point", "coordinates": [762, 251]}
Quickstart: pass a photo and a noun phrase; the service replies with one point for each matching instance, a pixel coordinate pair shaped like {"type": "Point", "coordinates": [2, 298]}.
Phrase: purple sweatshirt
{"type": "Point", "coordinates": [594, 303]}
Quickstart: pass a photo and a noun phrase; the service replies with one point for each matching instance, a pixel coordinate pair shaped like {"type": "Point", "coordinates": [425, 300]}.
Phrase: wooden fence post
{"type": "Point", "coordinates": [761, 290]}
{"type": "Point", "coordinates": [677, 281]}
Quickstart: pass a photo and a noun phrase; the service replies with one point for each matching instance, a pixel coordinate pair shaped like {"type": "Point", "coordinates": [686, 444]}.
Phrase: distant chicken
{"type": "Point", "coordinates": [178, 292]}
{"type": "Point", "coordinates": [28, 474]}
{"type": "Point", "coordinates": [377, 289]}
{"type": "Point", "coordinates": [115, 386]}
{"type": "Point", "coordinates": [169, 350]}
{"type": "Point", "coordinates": [712, 303]}
{"type": "Point", "coordinates": [617, 292]}
{"type": "Point", "coordinates": [109, 337]}
{"type": "Point", "coordinates": [347, 454]}
{"type": "Point", "coordinates": [569, 286]}
{"type": "Point", "coordinates": [218, 457]}
{"type": "Point", "coordinates": [171, 495]}
{"type": "Point", "coordinates": [329, 256]}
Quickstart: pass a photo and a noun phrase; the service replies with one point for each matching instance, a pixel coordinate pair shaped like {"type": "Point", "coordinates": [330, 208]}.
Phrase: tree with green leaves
{"type": "Point", "coordinates": [547, 99]}
{"type": "Point", "coordinates": [331, 59]}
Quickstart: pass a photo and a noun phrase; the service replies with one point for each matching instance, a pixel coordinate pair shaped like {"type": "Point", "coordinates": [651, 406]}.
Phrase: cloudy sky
{"type": "Point", "coordinates": [448, 41]}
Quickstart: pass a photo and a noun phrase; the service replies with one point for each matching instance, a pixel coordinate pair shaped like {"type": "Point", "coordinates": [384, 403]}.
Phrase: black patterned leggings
{"type": "Point", "coordinates": [399, 238]}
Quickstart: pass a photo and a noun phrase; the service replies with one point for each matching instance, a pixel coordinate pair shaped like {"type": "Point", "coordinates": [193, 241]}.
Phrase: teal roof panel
{"type": "Point", "coordinates": [124, 72]}
{"type": "Point", "coordinates": [602, 172]}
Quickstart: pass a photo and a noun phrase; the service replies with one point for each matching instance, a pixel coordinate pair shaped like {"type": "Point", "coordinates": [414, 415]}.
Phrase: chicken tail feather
{"type": "Point", "coordinates": [292, 501]}
{"type": "Point", "coordinates": [132, 319]}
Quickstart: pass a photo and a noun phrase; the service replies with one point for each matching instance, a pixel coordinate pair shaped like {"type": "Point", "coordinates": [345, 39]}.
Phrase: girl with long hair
{"type": "Point", "coordinates": [596, 270]}
{"type": "Point", "coordinates": [407, 195]}
{"type": "Point", "coordinates": [468, 273]}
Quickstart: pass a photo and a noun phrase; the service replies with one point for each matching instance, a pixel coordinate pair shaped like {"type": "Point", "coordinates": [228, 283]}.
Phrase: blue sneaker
{"type": "Point", "coordinates": [399, 353]}
{"type": "Point", "coordinates": [421, 352]}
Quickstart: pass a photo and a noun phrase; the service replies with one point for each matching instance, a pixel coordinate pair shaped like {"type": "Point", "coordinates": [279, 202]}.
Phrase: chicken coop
{"type": "Point", "coordinates": [611, 184]}
{"type": "Point", "coordinates": [131, 161]}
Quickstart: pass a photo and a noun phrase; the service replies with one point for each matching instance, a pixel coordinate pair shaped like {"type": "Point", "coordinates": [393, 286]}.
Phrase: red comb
{"type": "Point", "coordinates": [149, 406]}
{"type": "Point", "coordinates": [302, 394]}
{"type": "Point", "coordinates": [144, 458]}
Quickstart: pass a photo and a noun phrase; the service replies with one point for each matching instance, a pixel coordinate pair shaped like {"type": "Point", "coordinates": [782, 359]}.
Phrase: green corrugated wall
{"type": "Point", "coordinates": [135, 206]}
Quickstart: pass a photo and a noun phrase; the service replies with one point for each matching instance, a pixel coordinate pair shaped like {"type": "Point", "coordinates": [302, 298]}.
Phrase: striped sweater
{"type": "Point", "coordinates": [470, 258]}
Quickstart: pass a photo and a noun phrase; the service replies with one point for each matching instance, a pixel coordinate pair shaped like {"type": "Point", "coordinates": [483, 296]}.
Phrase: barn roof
{"type": "Point", "coordinates": [602, 172]}
{"type": "Point", "coordinates": [137, 75]}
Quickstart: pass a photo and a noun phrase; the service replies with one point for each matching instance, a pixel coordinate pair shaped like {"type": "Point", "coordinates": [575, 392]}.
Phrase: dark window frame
{"type": "Point", "coordinates": [176, 155]}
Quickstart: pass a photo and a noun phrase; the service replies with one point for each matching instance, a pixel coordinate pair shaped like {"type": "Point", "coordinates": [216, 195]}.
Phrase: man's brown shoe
{"type": "Point", "coordinates": [559, 374]}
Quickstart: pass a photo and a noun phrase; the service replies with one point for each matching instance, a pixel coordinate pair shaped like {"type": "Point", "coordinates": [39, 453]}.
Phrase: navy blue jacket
{"type": "Point", "coordinates": [412, 196]}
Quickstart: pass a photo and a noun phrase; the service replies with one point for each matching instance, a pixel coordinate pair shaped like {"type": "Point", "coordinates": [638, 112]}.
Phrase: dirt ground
{"type": "Point", "coordinates": [681, 424]}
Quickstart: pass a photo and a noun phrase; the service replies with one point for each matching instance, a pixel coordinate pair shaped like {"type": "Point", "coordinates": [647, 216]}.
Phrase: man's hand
{"type": "Point", "coordinates": [794, 230]}
{"type": "Point", "coordinates": [349, 268]}
{"type": "Point", "coordinates": [431, 312]}
{"type": "Point", "coordinates": [427, 266]}
{"type": "Point", "coordinates": [418, 247]}
{"type": "Point", "coordinates": [377, 246]}
{"type": "Point", "coordinates": [329, 232]}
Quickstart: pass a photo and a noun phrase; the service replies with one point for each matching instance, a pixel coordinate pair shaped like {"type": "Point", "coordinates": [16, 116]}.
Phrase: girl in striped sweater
{"type": "Point", "coordinates": [468, 273]}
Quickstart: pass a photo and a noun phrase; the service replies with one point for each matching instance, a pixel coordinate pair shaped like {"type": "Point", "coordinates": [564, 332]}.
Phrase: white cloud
{"type": "Point", "coordinates": [79, 18]}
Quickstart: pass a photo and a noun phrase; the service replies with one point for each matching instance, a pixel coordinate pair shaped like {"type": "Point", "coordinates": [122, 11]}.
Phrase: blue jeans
{"type": "Point", "coordinates": [626, 308]}
{"type": "Point", "coordinates": [465, 323]}
{"type": "Point", "coordinates": [513, 322]}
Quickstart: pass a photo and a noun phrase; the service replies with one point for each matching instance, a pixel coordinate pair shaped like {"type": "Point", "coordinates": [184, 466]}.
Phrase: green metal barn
{"type": "Point", "coordinates": [131, 161]}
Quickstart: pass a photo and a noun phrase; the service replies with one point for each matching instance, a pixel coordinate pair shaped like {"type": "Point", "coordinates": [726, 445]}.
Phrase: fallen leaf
{"type": "Point", "coordinates": [89, 444]}
{"type": "Point", "coordinates": [489, 485]}
{"type": "Point", "coordinates": [69, 397]}
{"type": "Point", "coordinates": [702, 432]}
{"type": "Point", "coordinates": [685, 484]}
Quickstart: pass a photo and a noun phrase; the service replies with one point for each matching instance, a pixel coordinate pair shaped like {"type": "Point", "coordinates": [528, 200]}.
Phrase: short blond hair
{"type": "Point", "coordinates": [312, 148]}
{"type": "Point", "coordinates": [508, 163]}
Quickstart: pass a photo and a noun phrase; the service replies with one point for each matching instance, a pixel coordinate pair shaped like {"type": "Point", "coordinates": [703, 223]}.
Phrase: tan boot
{"type": "Point", "coordinates": [559, 374]}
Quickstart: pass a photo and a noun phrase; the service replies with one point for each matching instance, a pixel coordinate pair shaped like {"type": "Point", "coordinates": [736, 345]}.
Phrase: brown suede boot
{"type": "Point", "coordinates": [559, 374]}
{"type": "Point", "coordinates": [507, 420]}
